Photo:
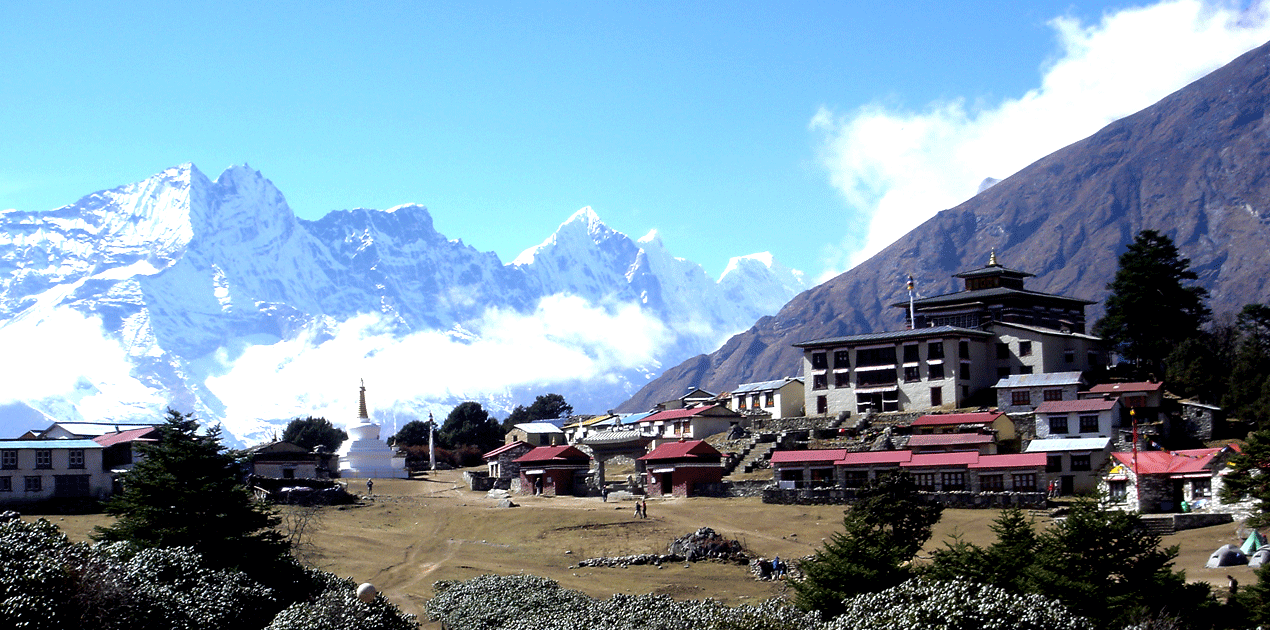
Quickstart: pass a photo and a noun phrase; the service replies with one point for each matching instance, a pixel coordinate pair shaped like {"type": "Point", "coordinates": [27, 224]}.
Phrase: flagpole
{"type": "Point", "coordinates": [912, 319]}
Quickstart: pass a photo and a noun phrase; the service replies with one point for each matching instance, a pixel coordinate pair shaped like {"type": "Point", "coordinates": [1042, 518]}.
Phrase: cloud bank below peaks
{"type": "Point", "coordinates": [564, 339]}
{"type": "Point", "coordinates": [897, 168]}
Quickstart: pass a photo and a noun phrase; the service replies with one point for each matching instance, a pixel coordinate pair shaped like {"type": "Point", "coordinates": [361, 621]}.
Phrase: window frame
{"type": "Point", "coordinates": [1055, 427]}
{"type": "Point", "coordinates": [9, 459]}
{"type": "Point", "coordinates": [43, 459]}
{"type": "Point", "coordinates": [1089, 423]}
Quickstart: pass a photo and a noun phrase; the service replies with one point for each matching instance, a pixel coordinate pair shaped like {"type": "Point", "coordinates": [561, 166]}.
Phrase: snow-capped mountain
{"type": "Point", "coordinates": [212, 296]}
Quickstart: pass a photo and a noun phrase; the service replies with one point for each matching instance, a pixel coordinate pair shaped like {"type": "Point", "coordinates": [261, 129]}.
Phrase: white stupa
{"type": "Point", "coordinates": [364, 455]}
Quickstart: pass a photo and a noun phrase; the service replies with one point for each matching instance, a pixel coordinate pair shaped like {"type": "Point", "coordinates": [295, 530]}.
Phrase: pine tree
{"type": "Point", "coordinates": [310, 432]}
{"type": "Point", "coordinates": [1150, 311]}
{"type": "Point", "coordinates": [882, 532]}
{"type": "Point", "coordinates": [185, 492]}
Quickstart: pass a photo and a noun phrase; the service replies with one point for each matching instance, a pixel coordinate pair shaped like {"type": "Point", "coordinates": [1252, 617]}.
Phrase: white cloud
{"type": "Point", "coordinates": [564, 339]}
{"type": "Point", "coordinates": [898, 168]}
{"type": "Point", "coordinates": [64, 354]}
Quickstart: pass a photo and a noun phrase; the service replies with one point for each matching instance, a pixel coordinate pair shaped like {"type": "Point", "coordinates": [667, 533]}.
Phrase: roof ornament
{"type": "Point", "coordinates": [992, 259]}
{"type": "Point", "coordinates": [361, 407]}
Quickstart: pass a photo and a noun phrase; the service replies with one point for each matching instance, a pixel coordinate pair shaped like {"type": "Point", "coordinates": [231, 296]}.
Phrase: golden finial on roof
{"type": "Point", "coordinates": [361, 408]}
{"type": "Point", "coordinates": [992, 259]}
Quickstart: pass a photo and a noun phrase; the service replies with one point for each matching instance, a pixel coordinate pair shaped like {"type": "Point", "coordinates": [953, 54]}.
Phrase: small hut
{"type": "Point", "coordinates": [551, 469]}
{"type": "Point", "coordinates": [677, 467]}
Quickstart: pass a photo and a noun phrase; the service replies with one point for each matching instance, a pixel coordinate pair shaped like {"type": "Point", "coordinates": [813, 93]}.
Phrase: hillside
{"type": "Point", "coordinates": [1192, 166]}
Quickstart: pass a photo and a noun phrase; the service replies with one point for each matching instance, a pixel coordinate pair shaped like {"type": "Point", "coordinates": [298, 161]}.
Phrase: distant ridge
{"type": "Point", "coordinates": [1194, 166]}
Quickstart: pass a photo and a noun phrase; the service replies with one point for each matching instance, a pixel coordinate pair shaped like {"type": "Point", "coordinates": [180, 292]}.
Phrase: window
{"type": "Point", "coordinates": [911, 374]}
{"type": "Point", "coordinates": [1117, 490]}
{"type": "Point", "coordinates": [1003, 372]}
{"type": "Point", "coordinates": [1201, 488]}
{"type": "Point", "coordinates": [288, 473]}
{"type": "Point", "coordinates": [6, 484]}
{"type": "Point", "coordinates": [964, 372]}
{"type": "Point", "coordinates": [1025, 369]}
{"type": "Point", "coordinates": [1058, 425]}
{"type": "Point", "coordinates": [1052, 394]}
{"type": "Point", "coordinates": [935, 350]}
{"type": "Point", "coordinates": [925, 481]}
{"type": "Point", "coordinates": [1069, 356]}
{"type": "Point", "coordinates": [1080, 462]}
{"type": "Point", "coordinates": [34, 484]}
{"type": "Point", "coordinates": [936, 396]}
{"type": "Point", "coordinates": [952, 481]}
{"type": "Point", "coordinates": [935, 371]}
{"type": "Point", "coordinates": [740, 402]}
{"type": "Point", "coordinates": [819, 381]}
{"type": "Point", "coordinates": [770, 399]}
{"type": "Point", "coordinates": [856, 478]}
{"type": "Point", "coordinates": [1089, 424]}
{"type": "Point", "coordinates": [1025, 348]}
{"type": "Point", "coordinates": [875, 377]}
{"type": "Point", "coordinates": [875, 356]}
{"type": "Point", "coordinates": [1003, 351]}
{"type": "Point", "coordinates": [1024, 482]}
{"type": "Point", "coordinates": [1054, 462]}
{"type": "Point", "coordinates": [818, 361]}
{"type": "Point", "coordinates": [71, 485]}
{"type": "Point", "coordinates": [822, 404]}
{"type": "Point", "coordinates": [991, 483]}
{"type": "Point", "coordinates": [910, 353]}
{"type": "Point", "coordinates": [842, 359]}
{"type": "Point", "coordinates": [8, 459]}
{"type": "Point", "coordinates": [76, 458]}
{"type": "Point", "coordinates": [963, 349]}
{"type": "Point", "coordinates": [1021, 398]}
{"type": "Point", "coordinates": [1094, 358]}
{"type": "Point", "coordinates": [840, 379]}
{"type": "Point", "coordinates": [43, 458]}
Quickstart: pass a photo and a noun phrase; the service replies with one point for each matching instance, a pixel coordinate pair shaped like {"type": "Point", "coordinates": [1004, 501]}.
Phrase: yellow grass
{"type": "Point", "coordinates": [411, 533]}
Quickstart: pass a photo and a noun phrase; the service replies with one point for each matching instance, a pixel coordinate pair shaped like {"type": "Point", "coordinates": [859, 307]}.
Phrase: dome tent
{"type": "Point", "coordinates": [1227, 555]}
{"type": "Point", "coordinates": [1259, 558]}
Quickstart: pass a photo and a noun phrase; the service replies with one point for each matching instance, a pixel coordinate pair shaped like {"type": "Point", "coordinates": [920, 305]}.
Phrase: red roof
{"type": "Point", "coordinates": [504, 448]}
{"type": "Point", "coordinates": [983, 417]}
{"type": "Point", "coordinates": [675, 414]}
{"type": "Point", "coordinates": [564, 454]}
{"type": "Point", "coordinates": [1118, 388]}
{"type": "Point", "coordinates": [1194, 460]}
{"type": "Point", "coordinates": [1087, 404]}
{"type": "Point", "coordinates": [683, 450]}
{"type": "Point", "coordinates": [131, 435]}
{"type": "Point", "coordinates": [808, 456]}
{"type": "Point", "coordinates": [964, 458]}
{"type": "Point", "coordinates": [1019, 460]}
{"type": "Point", "coordinates": [946, 439]}
{"type": "Point", "coordinates": [874, 457]}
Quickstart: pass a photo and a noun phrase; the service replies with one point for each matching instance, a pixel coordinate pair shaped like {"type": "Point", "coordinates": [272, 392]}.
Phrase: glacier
{"type": "Point", "coordinates": [211, 296]}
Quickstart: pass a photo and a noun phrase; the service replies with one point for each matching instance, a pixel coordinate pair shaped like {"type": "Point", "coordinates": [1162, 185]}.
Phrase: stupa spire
{"type": "Point", "coordinates": [992, 259]}
{"type": "Point", "coordinates": [361, 407]}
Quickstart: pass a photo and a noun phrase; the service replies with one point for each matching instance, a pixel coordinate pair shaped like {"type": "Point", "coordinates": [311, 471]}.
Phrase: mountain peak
{"type": "Point", "coordinates": [586, 215]}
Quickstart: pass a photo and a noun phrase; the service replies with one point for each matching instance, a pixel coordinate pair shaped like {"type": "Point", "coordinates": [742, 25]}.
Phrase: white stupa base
{"type": "Point", "coordinates": [366, 456]}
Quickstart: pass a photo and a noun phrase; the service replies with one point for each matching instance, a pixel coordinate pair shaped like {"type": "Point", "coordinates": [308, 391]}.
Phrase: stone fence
{"type": "Point", "coordinates": [842, 496]}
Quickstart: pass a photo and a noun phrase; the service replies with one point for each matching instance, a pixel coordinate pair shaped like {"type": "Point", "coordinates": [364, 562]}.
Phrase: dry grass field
{"type": "Point", "coordinates": [411, 533]}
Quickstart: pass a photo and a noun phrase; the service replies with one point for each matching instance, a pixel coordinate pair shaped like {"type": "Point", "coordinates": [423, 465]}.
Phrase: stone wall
{"type": "Point", "coordinates": [842, 496]}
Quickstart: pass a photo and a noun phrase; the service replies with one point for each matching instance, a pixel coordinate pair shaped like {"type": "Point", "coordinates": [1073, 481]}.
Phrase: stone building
{"type": "Point", "coordinates": [677, 467]}
{"type": "Point", "coordinates": [1160, 481]}
{"type": "Point", "coordinates": [552, 470]}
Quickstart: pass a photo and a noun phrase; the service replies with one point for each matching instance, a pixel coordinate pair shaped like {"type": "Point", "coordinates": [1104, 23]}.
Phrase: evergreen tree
{"type": "Point", "coordinates": [1248, 386]}
{"type": "Point", "coordinates": [1250, 476]}
{"type": "Point", "coordinates": [185, 492]}
{"type": "Point", "coordinates": [470, 425]}
{"type": "Point", "coordinates": [545, 407]}
{"type": "Point", "coordinates": [311, 432]}
{"type": "Point", "coordinates": [1150, 311]}
{"type": "Point", "coordinates": [413, 433]}
{"type": "Point", "coordinates": [882, 531]}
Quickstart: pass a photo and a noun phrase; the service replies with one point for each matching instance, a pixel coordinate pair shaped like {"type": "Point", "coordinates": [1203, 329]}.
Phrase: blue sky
{"type": "Point", "coordinates": [816, 131]}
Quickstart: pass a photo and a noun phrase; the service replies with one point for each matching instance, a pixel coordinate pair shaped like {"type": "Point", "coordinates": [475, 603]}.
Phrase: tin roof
{"type": "Point", "coordinates": [1014, 460]}
{"type": "Point", "coordinates": [49, 444]}
{"type": "Point", "coordinates": [1057, 445]}
{"type": "Point", "coordinates": [1069, 406]}
{"type": "Point", "coordinates": [1120, 388]}
{"type": "Point", "coordinates": [961, 458]}
{"type": "Point", "coordinates": [949, 439]}
{"type": "Point", "coordinates": [897, 335]}
{"type": "Point", "coordinates": [538, 427]}
{"type": "Point", "coordinates": [978, 417]}
{"type": "Point", "coordinates": [874, 457]}
{"type": "Point", "coordinates": [682, 450]}
{"type": "Point", "coordinates": [765, 385]}
{"type": "Point", "coordinates": [504, 448]}
{"type": "Point", "coordinates": [1194, 460]}
{"type": "Point", "coordinates": [676, 414]}
{"type": "Point", "coordinates": [1053, 379]}
{"type": "Point", "coordinates": [994, 293]}
{"type": "Point", "coordinates": [807, 456]}
{"type": "Point", "coordinates": [131, 435]}
{"type": "Point", "coordinates": [561, 454]}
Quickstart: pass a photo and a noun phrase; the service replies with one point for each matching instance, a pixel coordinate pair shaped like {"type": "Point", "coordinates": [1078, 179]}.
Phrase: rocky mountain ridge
{"type": "Point", "coordinates": [1192, 166]}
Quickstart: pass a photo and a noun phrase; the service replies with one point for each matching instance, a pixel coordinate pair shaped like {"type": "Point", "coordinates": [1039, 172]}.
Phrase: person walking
{"type": "Point", "coordinates": [637, 513]}
{"type": "Point", "coordinates": [370, 486]}
{"type": "Point", "coordinates": [643, 508]}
